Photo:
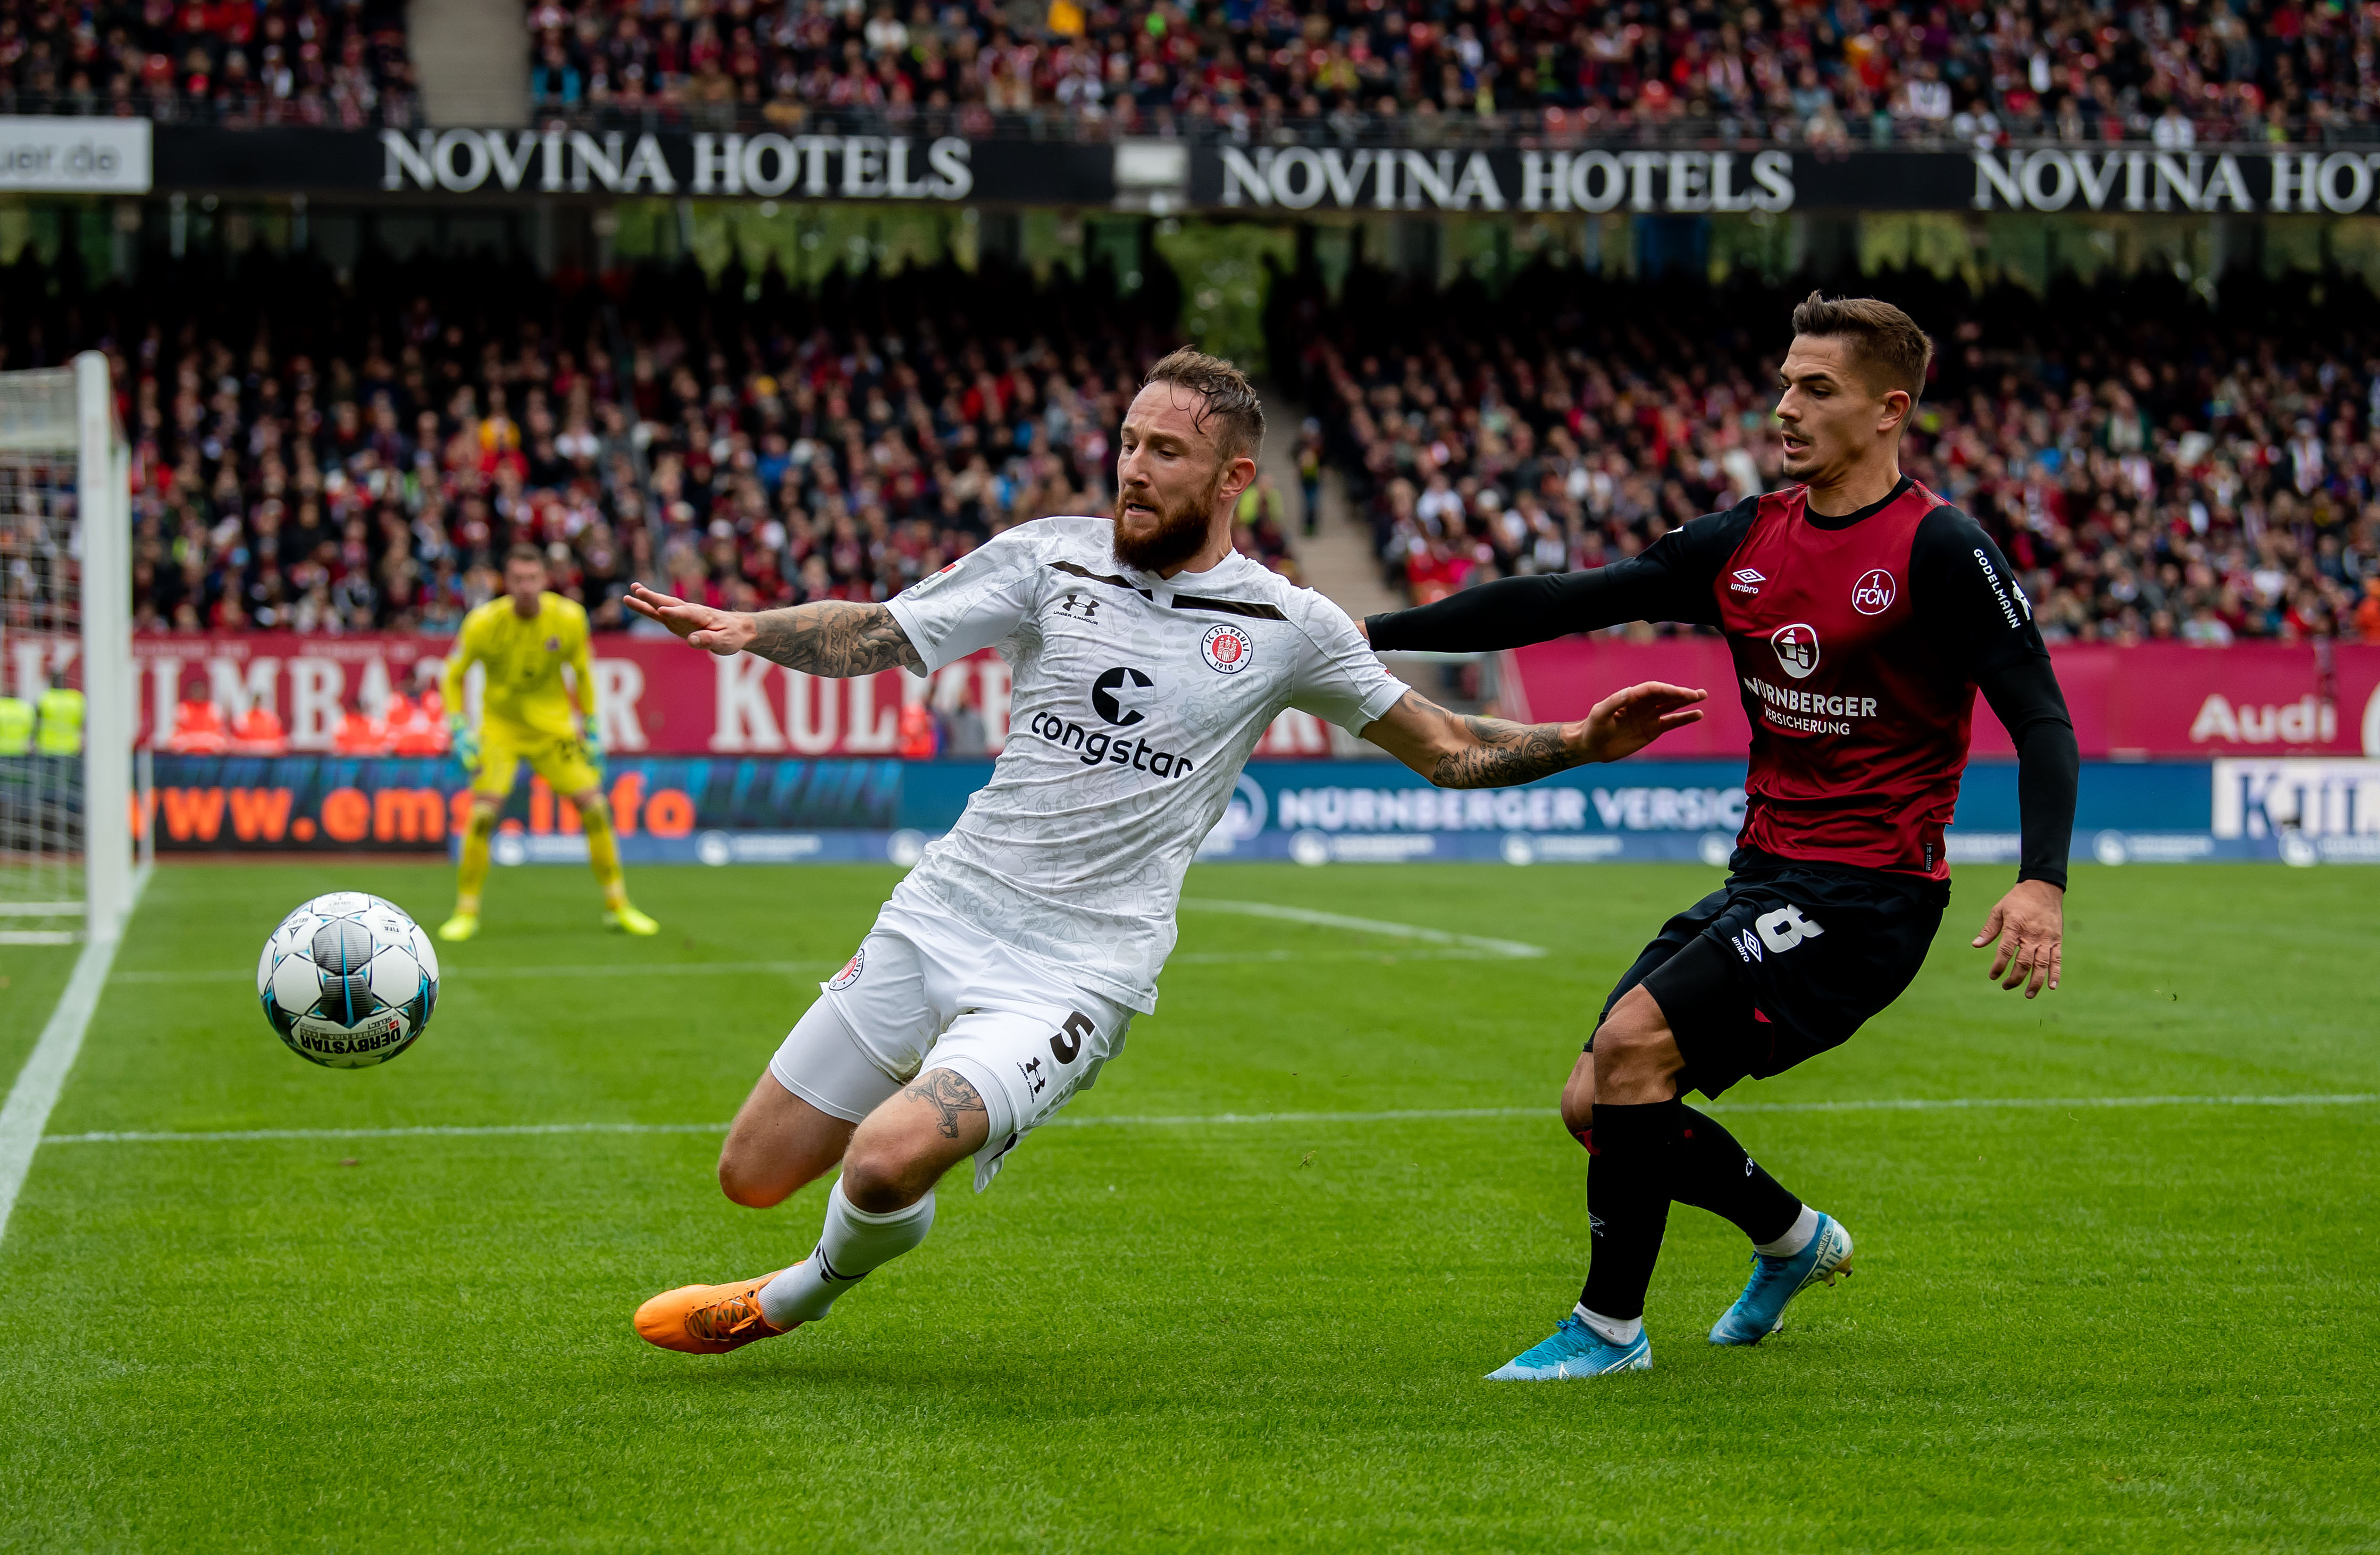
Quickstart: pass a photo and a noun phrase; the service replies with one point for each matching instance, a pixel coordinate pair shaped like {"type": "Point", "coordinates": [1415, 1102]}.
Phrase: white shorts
{"type": "Point", "coordinates": [927, 990]}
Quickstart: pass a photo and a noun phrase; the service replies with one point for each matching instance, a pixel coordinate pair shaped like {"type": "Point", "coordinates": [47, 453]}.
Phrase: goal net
{"type": "Point", "coordinates": [67, 815]}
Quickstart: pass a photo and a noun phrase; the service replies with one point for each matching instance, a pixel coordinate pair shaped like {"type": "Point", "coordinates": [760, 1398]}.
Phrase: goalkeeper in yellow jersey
{"type": "Point", "coordinates": [525, 639]}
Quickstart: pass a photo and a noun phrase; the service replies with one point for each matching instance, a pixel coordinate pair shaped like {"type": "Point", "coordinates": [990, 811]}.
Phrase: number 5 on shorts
{"type": "Point", "coordinates": [1067, 1045]}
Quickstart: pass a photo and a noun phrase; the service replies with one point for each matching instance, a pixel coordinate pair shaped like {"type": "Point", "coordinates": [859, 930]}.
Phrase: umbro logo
{"type": "Point", "coordinates": [1747, 581]}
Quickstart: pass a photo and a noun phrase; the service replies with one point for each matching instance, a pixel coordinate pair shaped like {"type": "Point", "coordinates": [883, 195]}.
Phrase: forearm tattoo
{"type": "Point", "coordinates": [1505, 754]}
{"type": "Point", "coordinates": [833, 637]}
{"type": "Point", "coordinates": [946, 1094]}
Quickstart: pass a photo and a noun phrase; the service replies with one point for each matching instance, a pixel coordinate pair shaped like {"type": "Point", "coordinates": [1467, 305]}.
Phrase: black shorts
{"type": "Point", "coordinates": [1782, 963]}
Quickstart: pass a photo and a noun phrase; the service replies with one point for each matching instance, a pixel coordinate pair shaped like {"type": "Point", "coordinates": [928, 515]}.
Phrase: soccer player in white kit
{"type": "Point", "coordinates": [1149, 659]}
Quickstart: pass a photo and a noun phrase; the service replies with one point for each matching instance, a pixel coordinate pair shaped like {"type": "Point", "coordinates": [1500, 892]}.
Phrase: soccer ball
{"type": "Point", "coordinates": [348, 980]}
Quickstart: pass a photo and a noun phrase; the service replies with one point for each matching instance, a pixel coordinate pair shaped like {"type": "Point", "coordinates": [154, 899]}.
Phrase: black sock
{"type": "Point", "coordinates": [1628, 1203]}
{"type": "Point", "coordinates": [1714, 1173]}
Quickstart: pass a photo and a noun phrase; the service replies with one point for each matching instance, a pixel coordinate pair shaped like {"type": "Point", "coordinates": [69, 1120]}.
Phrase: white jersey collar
{"type": "Point", "coordinates": [1222, 575]}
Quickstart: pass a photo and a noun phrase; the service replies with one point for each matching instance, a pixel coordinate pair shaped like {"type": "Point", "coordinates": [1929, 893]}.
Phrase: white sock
{"type": "Point", "coordinates": [1615, 1331]}
{"type": "Point", "coordinates": [850, 1245]}
{"type": "Point", "coordinates": [1806, 1226]}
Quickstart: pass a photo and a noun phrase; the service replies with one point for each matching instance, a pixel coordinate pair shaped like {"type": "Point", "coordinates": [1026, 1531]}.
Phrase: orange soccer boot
{"type": "Point", "coordinates": [708, 1319]}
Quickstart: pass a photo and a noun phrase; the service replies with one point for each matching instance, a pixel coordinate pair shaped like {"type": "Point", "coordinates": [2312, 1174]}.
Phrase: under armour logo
{"type": "Point", "coordinates": [1035, 1081]}
{"type": "Point", "coordinates": [1079, 608]}
{"type": "Point", "coordinates": [1785, 928]}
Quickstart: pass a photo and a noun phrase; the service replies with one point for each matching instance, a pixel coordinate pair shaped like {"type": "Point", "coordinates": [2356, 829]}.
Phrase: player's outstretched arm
{"type": "Point", "coordinates": [831, 637]}
{"type": "Point", "coordinates": [1456, 751]}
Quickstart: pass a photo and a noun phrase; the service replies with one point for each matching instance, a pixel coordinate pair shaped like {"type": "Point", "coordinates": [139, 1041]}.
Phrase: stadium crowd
{"type": "Point", "coordinates": [2153, 469]}
{"type": "Point", "coordinates": [316, 459]}
{"type": "Point", "coordinates": [1798, 71]}
{"type": "Point", "coordinates": [339, 63]}
{"type": "Point", "coordinates": [310, 462]}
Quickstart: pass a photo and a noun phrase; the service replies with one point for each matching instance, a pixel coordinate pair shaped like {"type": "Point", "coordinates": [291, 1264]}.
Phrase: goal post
{"type": "Point", "coordinates": [65, 626]}
{"type": "Point", "coordinates": [103, 493]}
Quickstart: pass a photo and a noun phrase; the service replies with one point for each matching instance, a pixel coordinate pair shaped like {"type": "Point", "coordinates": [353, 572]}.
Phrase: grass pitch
{"type": "Point", "coordinates": [2086, 1328]}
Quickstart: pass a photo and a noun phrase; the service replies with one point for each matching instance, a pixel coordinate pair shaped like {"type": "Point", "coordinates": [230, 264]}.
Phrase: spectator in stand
{"type": "Point", "coordinates": [198, 725]}
{"type": "Point", "coordinates": [1790, 72]}
{"type": "Point", "coordinates": [337, 62]}
{"type": "Point", "coordinates": [359, 733]}
{"type": "Point", "coordinates": [2155, 468]}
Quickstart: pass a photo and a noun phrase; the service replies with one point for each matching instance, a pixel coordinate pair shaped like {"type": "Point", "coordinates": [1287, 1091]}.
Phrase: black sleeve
{"type": "Point", "coordinates": [1673, 580]}
{"type": "Point", "coordinates": [1980, 622]}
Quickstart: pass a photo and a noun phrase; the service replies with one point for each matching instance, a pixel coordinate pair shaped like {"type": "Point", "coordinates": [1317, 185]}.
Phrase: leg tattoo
{"type": "Point", "coordinates": [946, 1094]}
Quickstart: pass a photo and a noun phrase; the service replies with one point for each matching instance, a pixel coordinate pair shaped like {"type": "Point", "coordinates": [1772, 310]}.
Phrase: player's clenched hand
{"type": "Point", "coordinates": [2030, 923]}
{"type": "Point", "coordinates": [1626, 722]}
{"type": "Point", "coordinates": [724, 632]}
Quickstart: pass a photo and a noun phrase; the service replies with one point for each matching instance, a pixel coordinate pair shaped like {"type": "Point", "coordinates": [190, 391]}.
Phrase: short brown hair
{"type": "Point", "coordinates": [1230, 399]}
{"type": "Point", "coordinates": [1884, 339]}
{"type": "Point", "coordinates": [524, 552]}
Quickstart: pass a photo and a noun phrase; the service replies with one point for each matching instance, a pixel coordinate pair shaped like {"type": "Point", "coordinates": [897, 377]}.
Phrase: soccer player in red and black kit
{"type": "Point", "coordinates": [1863, 613]}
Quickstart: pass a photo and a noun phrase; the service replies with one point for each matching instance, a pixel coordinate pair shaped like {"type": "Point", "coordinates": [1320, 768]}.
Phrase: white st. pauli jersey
{"type": "Point", "coordinates": [1137, 701]}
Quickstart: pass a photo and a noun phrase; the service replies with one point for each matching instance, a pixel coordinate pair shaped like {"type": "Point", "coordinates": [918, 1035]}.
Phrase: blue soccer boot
{"type": "Point", "coordinates": [1576, 1350]}
{"type": "Point", "coordinates": [1760, 1310]}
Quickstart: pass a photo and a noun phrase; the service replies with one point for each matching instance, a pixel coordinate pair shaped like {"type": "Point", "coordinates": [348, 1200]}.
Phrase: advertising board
{"type": "Point", "coordinates": [41, 155]}
{"type": "Point", "coordinates": [778, 809]}
{"type": "Point", "coordinates": [2157, 700]}
{"type": "Point", "coordinates": [871, 158]}
{"type": "Point", "coordinates": [656, 695]}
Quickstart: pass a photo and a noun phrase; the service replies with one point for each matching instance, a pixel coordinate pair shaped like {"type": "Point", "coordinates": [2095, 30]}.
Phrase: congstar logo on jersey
{"type": "Point", "coordinates": [1122, 697]}
{"type": "Point", "coordinates": [1116, 695]}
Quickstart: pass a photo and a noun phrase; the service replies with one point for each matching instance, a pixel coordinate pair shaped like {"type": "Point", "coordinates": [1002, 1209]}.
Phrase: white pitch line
{"type": "Point", "coordinates": [794, 968]}
{"type": "Point", "coordinates": [1198, 1120]}
{"type": "Point", "coordinates": [427, 1131]}
{"type": "Point", "coordinates": [2049, 1103]}
{"type": "Point", "coordinates": [469, 974]}
{"type": "Point", "coordinates": [1458, 947]}
{"type": "Point", "coordinates": [1512, 948]}
{"type": "Point", "coordinates": [39, 1083]}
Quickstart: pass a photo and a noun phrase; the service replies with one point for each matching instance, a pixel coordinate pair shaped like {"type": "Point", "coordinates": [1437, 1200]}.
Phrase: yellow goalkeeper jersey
{"type": "Point", "coordinates": [525, 660]}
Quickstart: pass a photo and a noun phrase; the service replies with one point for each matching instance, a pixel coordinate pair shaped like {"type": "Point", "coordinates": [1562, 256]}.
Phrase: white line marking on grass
{"type": "Point", "coordinates": [471, 974]}
{"type": "Point", "coordinates": [1454, 947]}
{"type": "Point", "coordinates": [1233, 958]}
{"type": "Point", "coordinates": [431, 1131]}
{"type": "Point", "coordinates": [39, 1083]}
{"type": "Point", "coordinates": [1958, 1103]}
{"type": "Point", "coordinates": [1512, 948]}
{"type": "Point", "coordinates": [1197, 1120]}
{"type": "Point", "coordinates": [795, 968]}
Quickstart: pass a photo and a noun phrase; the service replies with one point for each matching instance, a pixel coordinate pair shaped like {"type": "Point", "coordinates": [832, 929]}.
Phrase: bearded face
{"type": "Point", "coordinates": [1153, 534]}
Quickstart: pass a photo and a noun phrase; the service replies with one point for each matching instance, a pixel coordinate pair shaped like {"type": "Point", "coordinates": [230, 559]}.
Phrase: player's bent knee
{"type": "Point", "coordinates": [880, 1175]}
{"type": "Point", "coordinates": [1634, 1048]}
{"type": "Point", "coordinates": [752, 1184]}
{"type": "Point", "coordinates": [1578, 1095]}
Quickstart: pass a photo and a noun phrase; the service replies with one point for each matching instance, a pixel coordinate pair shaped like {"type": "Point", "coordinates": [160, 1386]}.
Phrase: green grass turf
{"type": "Point", "coordinates": [2109, 1329]}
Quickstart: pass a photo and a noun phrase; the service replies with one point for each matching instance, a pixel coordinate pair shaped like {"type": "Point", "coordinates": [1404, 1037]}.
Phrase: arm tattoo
{"type": "Point", "coordinates": [833, 637]}
{"type": "Point", "coordinates": [1504, 753]}
{"type": "Point", "coordinates": [946, 1094]}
